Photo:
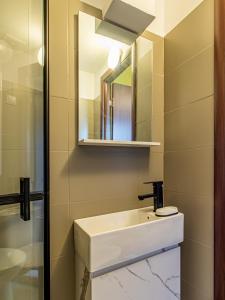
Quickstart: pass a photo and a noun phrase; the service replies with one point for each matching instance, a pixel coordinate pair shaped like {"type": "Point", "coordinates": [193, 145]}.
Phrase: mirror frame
{"type": "Point", "coordinates": [155, 39]}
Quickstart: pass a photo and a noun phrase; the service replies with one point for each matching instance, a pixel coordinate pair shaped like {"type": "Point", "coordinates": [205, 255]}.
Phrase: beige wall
{"type": "Point", "coordinates": [189, 144]}
{"type": "Point", "coordinates": [88, 181]}
{"type": "Point", "coordinates": [144, 71]}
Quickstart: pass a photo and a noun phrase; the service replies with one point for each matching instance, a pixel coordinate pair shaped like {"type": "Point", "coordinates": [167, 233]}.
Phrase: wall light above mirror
{"type": "Point", "coordinates": [115, 85]}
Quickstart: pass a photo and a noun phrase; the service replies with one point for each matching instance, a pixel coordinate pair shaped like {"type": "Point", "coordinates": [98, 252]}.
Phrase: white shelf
{"type": "Point", "coordinates": [93, 142]}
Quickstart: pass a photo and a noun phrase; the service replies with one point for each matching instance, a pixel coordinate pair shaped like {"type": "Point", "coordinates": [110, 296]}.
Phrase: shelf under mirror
{"type": "Point", "coordinates": [97, 142]}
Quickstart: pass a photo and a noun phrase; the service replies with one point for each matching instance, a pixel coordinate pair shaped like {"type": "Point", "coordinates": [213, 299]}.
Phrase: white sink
{"type": "Point", "coordinates": [112, 239]}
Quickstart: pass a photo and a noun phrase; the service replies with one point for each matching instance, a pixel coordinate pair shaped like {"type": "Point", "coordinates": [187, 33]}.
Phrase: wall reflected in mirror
{"type": "Point", "coordinates": [115, 82]}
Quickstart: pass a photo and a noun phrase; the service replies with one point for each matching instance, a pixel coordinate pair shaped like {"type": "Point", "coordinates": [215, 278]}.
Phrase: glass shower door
{"type": "Point", "coordinates": [21, 150]}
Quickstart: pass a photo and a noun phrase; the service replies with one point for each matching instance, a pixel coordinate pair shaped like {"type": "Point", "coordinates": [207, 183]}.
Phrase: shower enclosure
{"type": "Point", "coordinates": [24, 245]}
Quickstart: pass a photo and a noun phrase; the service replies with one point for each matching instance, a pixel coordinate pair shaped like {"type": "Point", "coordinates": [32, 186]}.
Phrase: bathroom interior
{"type": "Point", "coordinates": [112, 137]}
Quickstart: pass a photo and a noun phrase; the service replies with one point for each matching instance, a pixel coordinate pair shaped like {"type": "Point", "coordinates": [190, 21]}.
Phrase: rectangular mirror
{"type": "Point", "coordinates": [115, 83]}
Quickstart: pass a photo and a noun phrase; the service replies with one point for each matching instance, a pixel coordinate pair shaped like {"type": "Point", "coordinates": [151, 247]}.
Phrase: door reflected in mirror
{"type": "Point", "coordinates": [115, 82]}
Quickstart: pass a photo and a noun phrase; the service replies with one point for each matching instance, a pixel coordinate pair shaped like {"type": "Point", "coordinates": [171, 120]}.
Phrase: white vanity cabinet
{"type": "Point", "coordinates": [131, 255]}
{"type": "Point", "coordinates": [154, 278]}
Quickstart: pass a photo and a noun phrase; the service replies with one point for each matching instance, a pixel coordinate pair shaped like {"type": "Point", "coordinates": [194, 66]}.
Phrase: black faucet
{"type": "Point", "coordinates": [157, 194]}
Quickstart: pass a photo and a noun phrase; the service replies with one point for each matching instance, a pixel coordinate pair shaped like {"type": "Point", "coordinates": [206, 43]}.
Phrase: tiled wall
{"type": "Point", "coordinates": [144, 71]}
{"type": "Point", "coordinates": [189, 144]}
{"type": "Point", "coordinates": [88, 181]}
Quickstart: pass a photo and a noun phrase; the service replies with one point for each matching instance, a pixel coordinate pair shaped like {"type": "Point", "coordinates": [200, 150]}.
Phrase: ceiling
{"type": "Point", "coordinates": [147, 6]}
{"type": "Point", "coordinates": [168, 13]}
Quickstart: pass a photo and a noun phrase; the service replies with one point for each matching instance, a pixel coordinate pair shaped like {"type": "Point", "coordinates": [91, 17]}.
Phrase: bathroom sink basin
{"type": "Point", "coordinates": [112, 239]}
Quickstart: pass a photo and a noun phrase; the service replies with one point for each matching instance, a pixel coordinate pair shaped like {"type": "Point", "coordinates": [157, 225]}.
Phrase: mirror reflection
{"type": "Point", "coordinates": [115, 82]}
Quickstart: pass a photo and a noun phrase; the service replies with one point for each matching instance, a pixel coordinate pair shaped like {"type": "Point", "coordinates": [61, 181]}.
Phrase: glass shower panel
{"type": "Point", "coordinates": [21, 148]}
{"type": "Point", "coordinates": [21, 89]}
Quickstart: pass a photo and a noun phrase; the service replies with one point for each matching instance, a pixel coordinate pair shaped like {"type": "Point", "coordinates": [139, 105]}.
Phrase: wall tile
{"type": "Point", "coordinates": [105, 206]}
{"type": "Point", "coordinates": [158, 94]}
{"type": "Point", "coordinates": [61, 243]}
{"type": "Point", "coordinates": [175, 199]}
{"type": "Point", "coordinates": [158, 62]}
{"type": "Point", "coordinates": [99, 173]}
{"type": "Point", "coordinates": [73, 10]}
{"type": "Point", "coordinates": [59, 114]}
{"type": "Point", "coordinates": [62, 278]}
{"type": "Point", "coordinates": [191, 36]}
{"type": "Point", "coordinates": [196, 126]}
{"type": "Point", "coordinates": [59, 177]}
{"type": "Point", "coordinates": [58, 48]}
{"type": "Point", "coordinates": [198, 273]}
{"type": "Point", "coordinates": [189, 292]}
{"type": "Point", "coordinates": [73, 54]}
{"type": "Point", "coordinates": [192, 81]}
{"type": "Point", "coordinates": [72, 125]}
{"type": "Point", "coordinates": [190, 171]}
{"type": "Point", "coordinates": [87, 209]}
{"type": "Point", "coordinates": [189, 150]}
{"type": "Point", "coordinates": [157, 119]}
{"type": "Point", "coordinates": [157, 128]}
{"type": "Point", "coordinates": [198, 219]}
{"type": "Point", "coordinates": [156, 168]}
{"type": "Point", "coordinates": [199, 225]}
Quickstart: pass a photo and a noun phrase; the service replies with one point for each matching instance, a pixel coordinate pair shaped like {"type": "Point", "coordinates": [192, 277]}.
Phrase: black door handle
{"type": "Point", "coordinates": [25, 198]}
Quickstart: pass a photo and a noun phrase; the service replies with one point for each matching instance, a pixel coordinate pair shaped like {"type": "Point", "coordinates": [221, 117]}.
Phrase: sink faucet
{"type": "Point", "coordinates": [157, 194]}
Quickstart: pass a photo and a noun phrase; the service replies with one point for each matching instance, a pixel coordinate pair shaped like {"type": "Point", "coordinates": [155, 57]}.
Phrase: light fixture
{"type": "Point", "coordinates": [40, 56]}
{"type": "Point", "coordinates": [114, 57]}
{"type": "Point", "coordinates": [122, 13]}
